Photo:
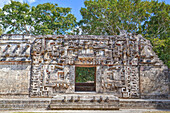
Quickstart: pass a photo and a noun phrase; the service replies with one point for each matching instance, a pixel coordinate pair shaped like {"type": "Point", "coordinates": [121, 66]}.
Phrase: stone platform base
{"type": "Point", "coordinates": [46, 103]}
{"type": "Point", "coordinates": [85, 102]}
{"type": "Point", "coordinates": [20, 104]}
{"type": "Point", "coordinates": [144, 104]}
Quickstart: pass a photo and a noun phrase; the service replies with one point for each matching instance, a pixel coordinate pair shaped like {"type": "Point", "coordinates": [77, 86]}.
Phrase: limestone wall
{"type": "Point", "coordinates": [15, 65]}
{"type": "Point", "coordinates": [43, 66]}
{"type": "Point", "coordinates": [14, 79]}
{"type": "Point", "coordinates": [154, 82]}
{"type": "Point", "coordinates": [154, 75]}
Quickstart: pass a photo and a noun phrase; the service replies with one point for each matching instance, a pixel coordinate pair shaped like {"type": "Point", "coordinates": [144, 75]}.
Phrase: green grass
{"type": "Point", "coordinates": [157, 112]}
{"type": "Point", "coordinates": [36, 112]}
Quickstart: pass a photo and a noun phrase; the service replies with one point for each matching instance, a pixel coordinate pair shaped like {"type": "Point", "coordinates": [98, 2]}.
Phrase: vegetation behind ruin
{"type": "Point", "coordinates": [85, 74]}
{"type": "Point", "coordinates": [99, 17]}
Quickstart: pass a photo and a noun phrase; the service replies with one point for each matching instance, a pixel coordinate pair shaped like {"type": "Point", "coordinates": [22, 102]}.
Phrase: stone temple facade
{"type": "Point", "coordinates": [44, 66]}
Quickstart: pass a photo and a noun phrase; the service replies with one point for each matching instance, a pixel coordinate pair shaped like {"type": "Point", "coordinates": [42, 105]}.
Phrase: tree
{"type": "Point", "coordinates": [108, 16]}
{"type": "Point", "coordinates": [85, 74]}
{"type": "Point", "coordinates": [1, 31]}
{"type": "Point", "coordinates": [149, 18]}
{"type": "Point", "coordinates": [14, 17]}
{"type": "Point", "coordinates": [51, 19]}
{"type": "Point", "coordinates": [20, 18]}
{"type": "Point", "coordinates": [157, 30]}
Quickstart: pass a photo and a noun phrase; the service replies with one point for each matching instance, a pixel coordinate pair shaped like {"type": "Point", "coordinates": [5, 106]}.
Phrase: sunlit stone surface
{"type": "Point", "coordinates": [44, 66]}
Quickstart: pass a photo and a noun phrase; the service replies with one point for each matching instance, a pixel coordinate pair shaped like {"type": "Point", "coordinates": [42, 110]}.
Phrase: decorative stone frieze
{"type": "Point", "coordinates": [126, 65]}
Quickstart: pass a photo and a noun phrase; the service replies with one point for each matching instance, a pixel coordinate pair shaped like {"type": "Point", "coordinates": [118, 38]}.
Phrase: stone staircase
{"type": "Point", "coordinates": [85, 101]}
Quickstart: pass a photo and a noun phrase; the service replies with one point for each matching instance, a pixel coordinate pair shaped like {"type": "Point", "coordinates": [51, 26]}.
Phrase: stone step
{"type": "Point", "coordinates": [19, 104]}
{"type": "Point", "coordinates": [84, 101]}
{"type": "Point", "coordinates": [44, 103]}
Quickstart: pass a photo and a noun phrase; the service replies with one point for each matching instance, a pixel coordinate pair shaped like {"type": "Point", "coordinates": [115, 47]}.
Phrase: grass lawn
{"type": "Point", "coordinates": [157, 112]}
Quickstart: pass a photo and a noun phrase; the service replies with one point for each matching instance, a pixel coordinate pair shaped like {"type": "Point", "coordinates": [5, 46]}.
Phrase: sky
{"type": "Point", "coordinates": [74, 4]}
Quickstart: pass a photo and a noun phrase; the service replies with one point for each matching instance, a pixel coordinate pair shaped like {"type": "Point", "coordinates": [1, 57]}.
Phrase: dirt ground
{"type": "Point", "coordinates": [91, 111]}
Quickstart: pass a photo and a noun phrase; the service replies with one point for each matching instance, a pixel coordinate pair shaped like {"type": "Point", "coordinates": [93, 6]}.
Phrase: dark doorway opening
{"type": "Point", "coordinates": [85, 78]}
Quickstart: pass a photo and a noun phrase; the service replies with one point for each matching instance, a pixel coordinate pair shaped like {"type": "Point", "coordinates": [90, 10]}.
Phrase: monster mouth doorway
{"type": "Point", "coordinates": [85, 78]}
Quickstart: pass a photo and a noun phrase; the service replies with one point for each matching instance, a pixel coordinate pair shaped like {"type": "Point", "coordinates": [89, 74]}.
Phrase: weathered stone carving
{"type": "Point", "coordinates": [85, 101]}
{"type": "Point", "coordinates": [126, 65]}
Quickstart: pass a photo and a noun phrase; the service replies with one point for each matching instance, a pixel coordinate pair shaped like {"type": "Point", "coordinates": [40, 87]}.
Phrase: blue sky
{"type": "Point", "coordinates": [74, 4]}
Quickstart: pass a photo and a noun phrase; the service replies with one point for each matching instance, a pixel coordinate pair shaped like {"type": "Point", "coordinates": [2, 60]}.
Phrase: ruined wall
{"type": "Point", "coordinates": [126, 65]}
{"type": "Point", "coordinates": [15, 65]}
{"type": "Point", "coordinates": [49, 75]}
{"type": "Point", "coordinates": [154, 74]}
{"type": "Point", "coordinates": [54, 59]}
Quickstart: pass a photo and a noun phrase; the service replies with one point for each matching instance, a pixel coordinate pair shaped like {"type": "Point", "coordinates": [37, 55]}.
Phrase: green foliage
{"type": "Point", "coordinates": [107, 16]}
{"type": "Point", "coordinates": [1, 31]}
{"type": "Point", "coordinates": [100, 17]}
{"type": "Point", "coordinates": [157, 30]}
{"type": "Point", "coordinates": [14, 17]}
{"type": "Point", "coordinates": [50, 19]}
{"type": "Point", "coordinates": [149, 18]}
{"type": "Point", "coordinates": [161, 47]}
{"type": "Point", "coordinates": [84, 74]}
{"type": "Point", "coordinates": [20, 18]}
